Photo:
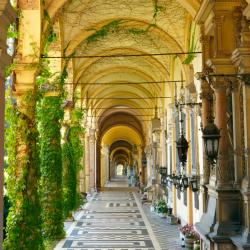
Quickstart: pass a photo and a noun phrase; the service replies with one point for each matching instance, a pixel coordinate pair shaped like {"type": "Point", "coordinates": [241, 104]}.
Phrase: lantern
{"type": "Point", "coordinates": [211, 137]}
{"type": "Point", "coordinates": [182, 148]}
{"type": "Point", "coordinates": [194, 184]}
{"type": "Point", "coordinates": [184, 181]}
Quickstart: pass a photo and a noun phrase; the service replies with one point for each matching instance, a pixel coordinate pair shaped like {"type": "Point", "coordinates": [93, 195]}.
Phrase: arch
{"type": "Point", "coordinates": [191, 6]}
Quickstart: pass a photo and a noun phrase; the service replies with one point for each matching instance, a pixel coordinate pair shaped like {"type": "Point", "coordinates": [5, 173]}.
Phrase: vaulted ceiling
{"type": "Point", "coordinates": [100, 31]}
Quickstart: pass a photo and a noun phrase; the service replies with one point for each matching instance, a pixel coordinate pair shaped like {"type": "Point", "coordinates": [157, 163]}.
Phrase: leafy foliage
{"type": "Point", "coordinates": [23, 222]}
{"type": "Point", "coordinates": [160, 206]}
{"type": "Point", "coordinates": [9, 69]}
{"type": "Point", "coordinates": [115, 25]}
{"type": "Point", "coordinates": [105, 30]}
{"type": "Point", "coordinates": [12, 31]}
{"type": "Point", "coordinates": [72, 154]}
{"type": "Point", "coordinates": [49, 115]}
{"type": "Point", "coordinates": [193, 41]}
{"type": "Point", "coordinates": [137, 31]}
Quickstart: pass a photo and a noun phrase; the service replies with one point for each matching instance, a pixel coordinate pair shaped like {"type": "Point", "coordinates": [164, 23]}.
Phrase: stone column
{"type": "Point", "coordinates": [241, 59]}
{"type": "Point", "coordinates": [189, 170]}
{"type": "Point", "coordinates": [87, 184]}
{"type": "Point", "coordinates": [223, 175]}
{"type": "Point", "coordinates": [140, 167]}
{"type": "Point", "coordinates": [82, 182]}
{"type": "Point", "coordinates": [92, 160]}
{"type": "Point", "coordinates": [106, 163]}
{"type": "Point", "coordinates": [149, 165]}
{"type": "Point", "coordinates": [25, 170]}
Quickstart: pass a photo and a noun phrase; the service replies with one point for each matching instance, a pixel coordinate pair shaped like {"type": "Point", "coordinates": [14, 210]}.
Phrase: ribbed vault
{"type": "Point", "coordinates": [105, 36]}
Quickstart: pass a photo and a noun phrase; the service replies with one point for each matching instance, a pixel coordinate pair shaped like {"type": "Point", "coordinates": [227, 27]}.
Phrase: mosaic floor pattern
{"type": "Point", "coordinates": [111, 221]}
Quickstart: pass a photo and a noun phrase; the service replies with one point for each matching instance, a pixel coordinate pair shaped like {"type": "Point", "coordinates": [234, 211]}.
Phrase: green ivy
{"type": "Point", "coordinates": [49, 115]}
{"type": "Point", "coordinates": [193, 41]}
{"type": "Point", "coordinates": [115, 25]}
{"type": "Point", "coordinates": [72, 155]}
{"type": "Point", "coordinates": [12, 31]}
{"type": "Point", "coordinates": [157, 9]}
{"type": "Point", "coordinates": [23, 221]}
{"type": "Point", "coordinates": [111, 27]}
{"type": "Point", "coordinates": [137, 31]}
{"type": "Point", "coordinates": [9, 69]}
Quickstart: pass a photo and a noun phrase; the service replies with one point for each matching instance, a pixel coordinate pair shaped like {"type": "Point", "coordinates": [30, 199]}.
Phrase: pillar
{"type": "Point", "coordinates": [241, 59]}
{"type": "Point", "coordinates": [107, 152]}
{"type": "Point", "coordinates": [189, 170]}
{"type": "Point", "coordinates": [24, 169]}
{"type": "Point", "coordinates": [140, 167]}
{"type": "Point", "coordinates": [92, 160]}
{"type": "Point", "coordinates": [86, 146]}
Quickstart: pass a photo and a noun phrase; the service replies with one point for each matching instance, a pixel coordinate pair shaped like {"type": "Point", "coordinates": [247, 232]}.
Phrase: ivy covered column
{"type": "Point", "coordinates": [50, 114]}
{"type": "Point", "coordinates": [72, 155]}
{"type": "Point", "coordinates": [23, 222]}
{"type": "Point", "coordinates": [7, 16]}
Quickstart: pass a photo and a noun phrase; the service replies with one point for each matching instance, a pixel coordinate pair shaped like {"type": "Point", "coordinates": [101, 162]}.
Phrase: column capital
{"type": "Point", "coordinates": [219, 83]}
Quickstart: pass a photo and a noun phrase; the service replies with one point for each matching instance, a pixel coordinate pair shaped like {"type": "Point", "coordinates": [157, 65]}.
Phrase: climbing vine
{"type": "Point", "coordinates": [72, 155]}
{"type": "Point", "coordinates": [115, 25]}
{"type": "Point", "coordinates": [23, 229]}
{"type": "Point", "coordinates": [49, 115]}
{"type": "Point", "coordinates": [193, 42]}
{"type": "Point", "coordinates": [23, 222]}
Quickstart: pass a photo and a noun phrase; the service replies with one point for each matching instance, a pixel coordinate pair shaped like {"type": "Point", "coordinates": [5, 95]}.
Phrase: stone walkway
{"type": "Point", "coordinates": [116, 220]}
{"type": "Point", "coordinates": [167, 235]}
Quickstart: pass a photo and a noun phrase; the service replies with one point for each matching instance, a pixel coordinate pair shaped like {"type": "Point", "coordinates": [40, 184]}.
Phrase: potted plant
{"type": "Point", "coordinates": [190, 236]}
{"type": "Point", "coordinates": [161, 207]}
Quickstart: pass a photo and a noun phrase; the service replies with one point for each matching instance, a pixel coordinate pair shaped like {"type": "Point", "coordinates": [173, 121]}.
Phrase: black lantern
{"type": "Point", "coordinates": [182, 148]}
{"type": "Point", "coordinates": [184, 182]}
{"type": "Point", "coordinates": [163, 170]}
{"type": "Point", "coordinates": [194, 183]}
{"type": "Point", "coordinates": [177, 182]}
{"type": "Point", "coordinates": [173, 177]}
{"type": "Point", "coordinates": [163, 173]}
{"type": "Point", "coordinates": [211, 136]}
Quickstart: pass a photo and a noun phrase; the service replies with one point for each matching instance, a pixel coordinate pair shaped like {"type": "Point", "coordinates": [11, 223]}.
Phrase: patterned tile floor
{"type": "Point", "coordinates": [167, 235]}
{"type": "Point", "coordinates": [113, 220]}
